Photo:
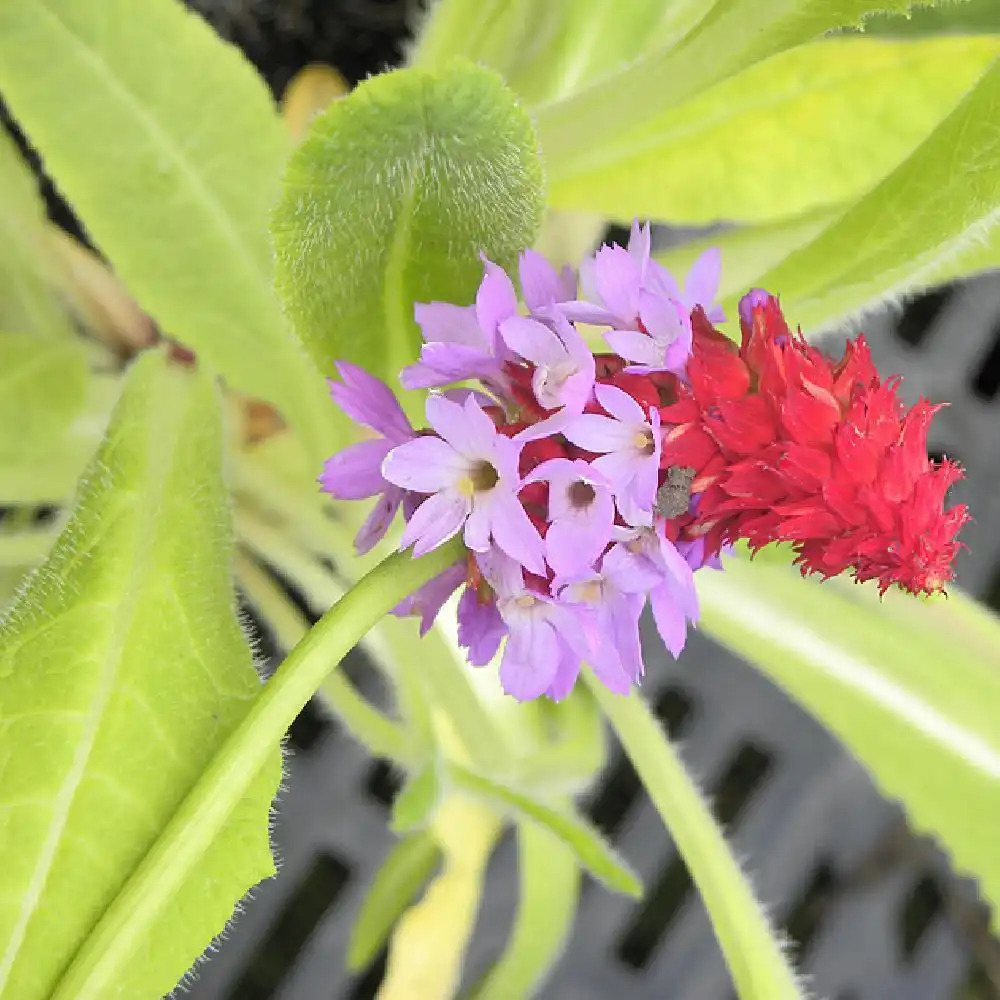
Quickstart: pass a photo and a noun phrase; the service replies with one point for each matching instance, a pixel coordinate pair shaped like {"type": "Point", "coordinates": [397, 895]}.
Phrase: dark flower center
{"type": "Point", "coordinates": [484, 477]}
{"type": "Point", "coordinates": [580, 494]}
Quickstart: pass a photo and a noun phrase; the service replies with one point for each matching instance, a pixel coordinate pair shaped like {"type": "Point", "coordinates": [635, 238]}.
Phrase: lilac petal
{"type": "Point", "coordinates": [460, 394]}
{"type": "Point", "coordinates": [635, 347]}
{"type": "Point", "coordinates": [584, 312]}
{"type": "Point", "coordinates": [663, 318]}
{"type": "Point", "coordinates": [755, 298]}
{"type": "Point", "coordinates": [670, 619]}
{"type": "Point", "coordinates": [682, 578]}
{"type": "Point", "coordinates": [356, 471]}
{"type": "Point", "coordinates": [378, 520]}
{"type": "Point", "coordinates": [426, 465]}
{"type": "Point", "coordinates": [540, 284]}
{"type": "Point", "coordinates": [679, 352]}
{"type": "Point", "coordinates": [620, 404]}
{"type": "Point", "coordinates": [451, 324]}
{"type": "Point", "coordinates": [702, 280]}
{"type": "Point", "coordinates": [598, 433]}
{"type": "Point", "coordinates": [530, 660]}
{"type": "Point", "coordinates": [624, 615]}
{"type": "Point", "coordinates": [660, 281]}
{"type": "Point", "coordinates": [466, 428]}
{"type": "Point", "coordinates": [629, 572]}
{"type": "Point", "coordinates": [572, 545]}
{"type": "Point", "coordinates": [640, 243]}
{"type": "Point", "coordinates": [502, 573]}
{"type": "Point", "coordinates": [428, 600]}
{"type": "Point", "coordinates": [567, 672]}
{"type": "Point", "coordinates": [545, 428]}
{"type": "Point", "coordinates": [437, 519]}
{"type": "Point", "coordinates": [606, 663]}
{"type": "Point", "coordinates": [514, 533]}
{"type": "Point", "coordinates": [476, 533]}
{"type": "Point", "coordinates": [369, 401]}
{"type": "Point", "coordinates": [480, 627]}
{"type": "Point", "coordinates": [495, 301]}
{"type": "Point", "coordinates": [618, 276]}
{"type": "Point", "coordinates": [440, 364]}
{"type": "Point", "coordinates": [534, 341]}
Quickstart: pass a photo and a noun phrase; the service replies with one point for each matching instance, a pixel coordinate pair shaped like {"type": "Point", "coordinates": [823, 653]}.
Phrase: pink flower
{"type": "Point", "coordinates": [356, 472]}
{"type": "Point", "coordinates": [470, 472]}
{"type": "Point", "coordinates": [628, 443]}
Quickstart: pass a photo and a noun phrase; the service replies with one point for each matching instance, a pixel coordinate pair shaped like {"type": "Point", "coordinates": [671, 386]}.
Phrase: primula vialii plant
{"type": "Point", "coordinates": [584, 484]}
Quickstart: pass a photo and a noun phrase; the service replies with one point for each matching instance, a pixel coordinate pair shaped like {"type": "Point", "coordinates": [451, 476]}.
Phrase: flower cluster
{"type": "Point", "coordinates": [585, 485]}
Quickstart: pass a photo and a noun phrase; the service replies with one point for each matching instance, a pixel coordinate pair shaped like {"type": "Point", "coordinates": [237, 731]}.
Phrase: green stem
{"type": "Point", "coordinates": [222, 784]}
{"type": "Point", "coordinates": [755, 960]}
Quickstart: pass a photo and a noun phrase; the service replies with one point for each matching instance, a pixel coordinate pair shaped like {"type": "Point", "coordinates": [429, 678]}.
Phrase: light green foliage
{"type": "Point", "coordinates": [965, 16]}
{"type": "Point", "coordinates": [911, 688]}
{"type": "Point", "coordinates": [599, 858]}
{"type": "Point", "coordinates": [751, 950]}
{"type": "Point", "coordinates": [733, 35]}
{"type": "Point", "coordinates": [169, 148]}
{"type": "Point", "coordinates": [403, 873]}
{"type": "Point", "coordinates": [416, 802]}
{"type": "Point", "coordinates": [550, 885]}
{"type": "Point", "coordinates": [389, 201]}
{"type": "Point", "coordinates": [27, 302]}
{"type": "Point", "coordinates": [930, 212]}
{"type": "Point", "coordinates": [122, 670]}
{"type": "Point", "coordinates": [807, 129]}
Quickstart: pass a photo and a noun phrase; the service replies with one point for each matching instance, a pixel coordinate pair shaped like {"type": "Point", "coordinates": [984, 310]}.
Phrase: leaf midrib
{"type": "Point", "coordinates": [156, 472]}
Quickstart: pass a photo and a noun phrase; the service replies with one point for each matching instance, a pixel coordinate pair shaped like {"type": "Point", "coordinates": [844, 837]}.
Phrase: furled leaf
{"type": "Point", "coordinates": [402, 875]}
{"type": "Point", "coordinates": [583, 840]}
{"type": "Point", "coordinates": [390, 200]}
{"type": "Point", "coordinates": [27, 302]}
{"type": "Point", "coordinates": [937, 206]}
{"type": "Point", "coordinates": [733, 35]}
{"type": "Point", "coordinates": [911, 688]}
{"type": "Point", "coordinates": [749, 944]}
{"type": "Point", "coordinates": [122, 670]}
{"type": "Point", "coordinates": [805, 130]}
{"type": "Point", "coordinates": [417, 800]}
{"type": "Point", "coordinates": [550, 887]}
{"type": "Point", "coordinates": [169, 148]}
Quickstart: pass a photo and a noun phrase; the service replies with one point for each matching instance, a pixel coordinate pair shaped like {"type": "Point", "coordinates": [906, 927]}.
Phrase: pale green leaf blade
{"type": "Point", "coordinates": [168, 146]}
{"type": "Point", "coordinates": [27, 302]}
{"type": "Point", "coordinates": [805, 130]}
{"type": "Point", "coordinates": [587, 845]}
{"type": "Point", "coordinates": [122, 670]}
{"type": "Point", "coordinates": [417, 800]}
{"type": "Point", "coordinates": [390, 200]}
{"type": "Point", "coordinates": [751, 949]}
{"type": "Point", "coordinates": [403, 874]}
{"type": "Point", "coordinates": [550, 888]}
{"type": "Point", "coordinates": [934, 209]}
{"type": "Point", "coordinates": [912, 689]}
{"type": "Point", "coordinates": [733, 35]}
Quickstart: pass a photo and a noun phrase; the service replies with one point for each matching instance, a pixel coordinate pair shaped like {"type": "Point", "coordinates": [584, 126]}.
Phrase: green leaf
{"type": "Point", "coordinates": [733, 35]}
{"type": "Point", "coordinates": [403, 874]}
{"type": "Point", "coordinates": [122, 670]}
{"type": "Point", "coordinates": [911, 688]}
{"type": "Point", "coordinates": [550, 888]}
{"type": "Point", "coordinates": [390, 200]}
{"type": "Point", "coordinates": [417, 800]}
{"type": "Point", "coordinates": [967, 16]}
{"type": "Point", "coordinates": [226, 782]}
{"type": "Point", "coordinates": [807, 129]}
{"type": "Point", "coordinates": [27, 301]}
{"type": "Point", "coordinates": [169, 148]}
{"type": "Point", "coordinates": [749, 944]}
{"type": "Point", "coordinates": [933, 209]}
{"type": "Point", "coordinates": [598, 857]}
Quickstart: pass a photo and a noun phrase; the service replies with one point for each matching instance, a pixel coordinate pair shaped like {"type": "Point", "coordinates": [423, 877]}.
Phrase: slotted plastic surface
{"type": "Point", "coordinates": [869, 909]}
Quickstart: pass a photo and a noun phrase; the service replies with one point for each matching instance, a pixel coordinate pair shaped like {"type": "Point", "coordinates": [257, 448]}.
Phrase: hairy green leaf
{"type": "Point", "coordinates": [27, 301]}
{"type": "Point", "coordinates": [403, 874]}
{"type": "Point", "coordinates": [169, 148]}
{"type": "Point", "coordinates": [911, 688]}
{"type": "Point", "coordinates": [804, 130]}
{"type": "Point", "coordinates": [749, 944]}
{"type": "Point", "coordinates": [390, 200]}
{"type": "Point", "coordinates": [122, 670]}
{"type": "Point", "coordinates": [599, 858]}
{"type": "Point", "coordinates": [550, 887]}
{"type": "Point", "coordinates": [733, 35]}
{"type": "Point", "coordinates": [929, 213]}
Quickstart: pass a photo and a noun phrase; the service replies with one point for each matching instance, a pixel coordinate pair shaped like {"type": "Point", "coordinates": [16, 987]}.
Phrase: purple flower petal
{"type": "Point", "coordinates": [640, 244]}
{"type": "Point", "coordinates": [437, 519]}
{"type": "Point", "coordinates": [597, 433]}
{"type": "Point", "coordinates": [369, 401]}
{"type": "Point", "coordinates": [620, 404]}
{"type": "Point", "coordinates": [541, 285]}
{"type": "Point", "coordinates": [514, 533]}
{"type": "Point", "coordinates": [530, 659]}
{"type": "Point", "coordinates": [495, 301]}
{"type": "Point", "coordinates": [356, 472]}
{"type": "Point", "coordinates": [702, 282]}
{"type": "Point", "coordinates": [480, 627]}
{"type": "Point", "coordinates": [442, 363]}
{"type": "Point", "coordinates": [617, 277]}
{"type": "Point", "coordinates": [425, 464]}
{"type": "Point", "coordinates": [428, 600]}
{"type": "Point", "coordinates": [447, 323]}
{"type": "Point", "coordinates": [567, 671]}
{"type": "Point", "coordinates": [534, 341]}
{"type": "Point", "coordinates": [670, 620]}
{"type": "Point", "coordinates": [378, 520]}
{"type": "Point", "coordinates": [637, 348]}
